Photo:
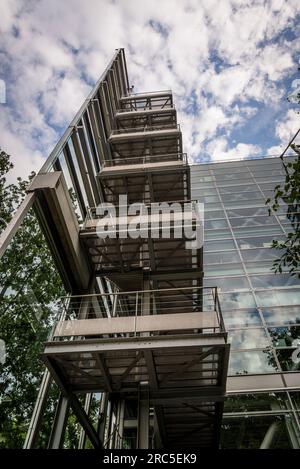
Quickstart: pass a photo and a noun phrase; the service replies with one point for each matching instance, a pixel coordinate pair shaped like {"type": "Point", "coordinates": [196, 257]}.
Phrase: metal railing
{"type": "Point", "coordinates": [147, 128]}
{"type": "Point", "coordinates": [145, 303]}
{"type": "Point", "coordinates": [146, 159]}
{"type": "Point", "coordinates": [155, 208]}
{"type": "Point", "coordinates": [132, 95]}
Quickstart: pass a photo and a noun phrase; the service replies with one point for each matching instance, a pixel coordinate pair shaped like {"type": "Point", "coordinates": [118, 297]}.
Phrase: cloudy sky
{"type": "Point", "coordinates": [231, 65]}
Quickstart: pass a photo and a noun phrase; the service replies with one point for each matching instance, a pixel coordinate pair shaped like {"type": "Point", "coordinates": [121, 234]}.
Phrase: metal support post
{"type": "Point", "coordinates": [60, 422]}
{"type": "Point", "coordinates": [36, 419]}
{"type": "Point", "coordinates": [143, 419]}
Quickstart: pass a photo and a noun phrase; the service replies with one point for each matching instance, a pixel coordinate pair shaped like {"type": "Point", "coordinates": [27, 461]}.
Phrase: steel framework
{"type": "Point", "coordinates": [138, 329]}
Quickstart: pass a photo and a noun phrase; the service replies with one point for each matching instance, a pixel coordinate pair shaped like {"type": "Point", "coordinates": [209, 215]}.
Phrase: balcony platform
{"type": "Point", "coordinates": [160, 254]}
{"type": "Point", "coordinates": [191, 364]}
{"type": "Point", "coordinates": [146, 178]}
{"type": "Point", "coordinates": [144, 101]}
{"type": "Point", "coordinates": [161, 141]}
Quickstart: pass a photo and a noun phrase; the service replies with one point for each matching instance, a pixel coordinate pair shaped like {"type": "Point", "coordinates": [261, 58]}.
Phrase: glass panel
{"type": "Point", "coordinates": [221, 257]}
{"type": "Point", "coordinates": [236, 196]}
{"type": "Point", "coordinates": [214, 214]}
{"type": "Point", "coordinates": [248, 212]}
{"type": "Point", "coordinates": [253, 221]}
{"type": "Point", "coordinates": [278, 297]}
{"type": "Point", "coordinates": [258, 267]}
{"type": "Point", "coordinates": [256, 402]}
{"type": "Point", "coordinates": [236, 300]}
{"type": "Point", "coordinates": [238, 189]}
{"type": "Point", "coordinates": [249, 432]}
{"type": "Point", "coordinates": [258, 230]}
{"type": "Point", "coordinates": [285, 336]}
{"type": "Point", "coordinates": [224, 269]}
{"type": "Point", "coordinates": [226, 284]}
{"type": "Point", "coordinates": [200, 192]}
{"type": "Point", "coordinates": [221, 245]}
{"type": "Point", "coordinates": [274, 280]}
{"type": "Point", "coordinates": [248, 338]}
{"type": "Point", "coordinates": [241, 203]}
{"type": "Point", "coordinates": [286, 315]}
{"type": "Point", "coordinates": [215, 224]}
{"type": "Point", "coordinates": [242, 317]}
{"type": "Point", "coordinates": [289, 359]}
{"type": "Point", "coordinates": [241, 363]}
{"type": "Point", "coordinates": [257, 242]}
{"type": "Point", "coordinates": [212, 206]}
{"type": "Point", "coordinates": [259, 254]}
{"type": "Point", "coordinates": [214, 234]}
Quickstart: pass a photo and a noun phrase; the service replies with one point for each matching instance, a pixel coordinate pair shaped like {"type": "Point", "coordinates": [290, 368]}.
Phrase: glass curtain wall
{"type": "Point", "coordinates": [260, 309]}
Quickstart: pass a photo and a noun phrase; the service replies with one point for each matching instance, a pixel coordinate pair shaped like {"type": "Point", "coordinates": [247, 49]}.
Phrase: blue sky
{"type": "Point", "coordinates": [230, 64]}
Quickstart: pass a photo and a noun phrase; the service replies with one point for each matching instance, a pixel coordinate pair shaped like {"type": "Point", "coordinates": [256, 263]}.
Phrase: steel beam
{"type": "Point", "coordinates": [59, 424]}
{"type": "Point", "coordinates": [15, 223]}
{"type": "Point", "coordinates": [37, 415]}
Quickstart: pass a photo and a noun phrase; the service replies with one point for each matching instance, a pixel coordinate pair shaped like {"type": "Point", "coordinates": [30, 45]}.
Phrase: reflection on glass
{"type": "Point", "coordinates": [285, 336]}
{"type": "Point", "coordinates": [221, 257]}
{"type": "Point", "coordinates": [274, 280]}
{"type": "Point", "coordinates": [225, 269]}
{"type": "Point", "coordinates": [286, 315]}
{"type": "Point", "coordinates": [214, 214]}
{"type": "Point", "coordinates": [248, 338]}
{"type": "Point", "coordinates": [252, 362]}
{"type": "Point", "coordinates": [258, 254]}
{"type": "Point", "coordinates": [220, 245]}
{"type": "Point", "coordinates": [256, 402]}
{"type": "Point", "coordinates": [215, 224]}
{"type": "Point", "coordinates": [252, 221]}
{"type": "Point", "coordinates": [289, 361]}
{"type": "Point", "coordinates": [236, 300]}
{"type": "Point", "coordinates": [258, 230]}
{"type": "Point", "coordinates": [278, 297]}
{"type": "Point", "coordinates": [247, 317]}
{"type": "Point", "coordinates": [216, 234]}
{"type": "Point", "coordinates": [257, 241]}
{"type": "Point", "coordinates": [259, 267]}
{"type": "Point", "coordinates": [227, 284]}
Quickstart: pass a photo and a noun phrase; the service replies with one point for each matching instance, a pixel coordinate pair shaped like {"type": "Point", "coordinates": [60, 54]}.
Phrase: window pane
{"type": "Point", "coordinates": [225, 269]}
{"type": "Point", "coordinates": [221, 257]}
{"type": "Point", "coordinates": [220, 245]}
{"type": "Point", "coordinates": [286, 315]}
{"type": "Point", "coordinates": [289, 359]}
{"type": "Point", "coordinates": [274, 280]}
{"type": "Point", "coordinates": [248, 432]}
{"type": "Point", "coordinates": [252, 362]}
{"type": "Point", "coordinates": [243, 317]}
{"type": "Point", "coordinates": [236, 300]}
{"type": "Point", "coordinates": [226, 284]}
{"type": "Point", "coordinates": [248, 338]}
{"type": "Point", "coordinates": [285, 336]}
{"type": "Point", "coordinates": [278, 297]}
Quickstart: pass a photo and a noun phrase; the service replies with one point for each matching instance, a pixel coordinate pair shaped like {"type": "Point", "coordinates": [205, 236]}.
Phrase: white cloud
{"type": "Point", "coordinates": [225, 54]}
{"type": "Point", "coordinates": [218, 149]}
{"type": "Point", "coordinates": [288, 126]}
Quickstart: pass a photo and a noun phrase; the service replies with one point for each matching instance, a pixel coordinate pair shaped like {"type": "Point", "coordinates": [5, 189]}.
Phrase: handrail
{"type": "Point", "coordinates": [145, 159]}
{"type": "Point", "coordinates": [146, 93]}
{"type": "Point", "coordinates": [146, 128]}
{"type": "Point", "coordinates": [142, 303]}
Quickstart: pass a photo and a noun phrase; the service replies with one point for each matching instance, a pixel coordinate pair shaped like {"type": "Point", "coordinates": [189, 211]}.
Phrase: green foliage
{"type": "Point", "coordinates": [29, 287]}
{"type": "Point", "coordinates": [288, 193]}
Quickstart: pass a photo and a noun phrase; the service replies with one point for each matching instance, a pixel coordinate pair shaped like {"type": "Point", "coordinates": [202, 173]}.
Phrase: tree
{"type": "Point", "coordinates": [29, 288]}
{"type": "Point", "coordinates": [288, 195]}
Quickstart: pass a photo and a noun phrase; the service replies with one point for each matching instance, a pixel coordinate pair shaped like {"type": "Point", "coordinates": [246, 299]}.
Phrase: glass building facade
{"type": "Point", "coordinates": [260, 308]}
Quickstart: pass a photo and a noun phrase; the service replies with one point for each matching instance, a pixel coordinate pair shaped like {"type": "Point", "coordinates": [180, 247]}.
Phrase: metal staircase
{"type": "Point", "coordinates": [158, 339]}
